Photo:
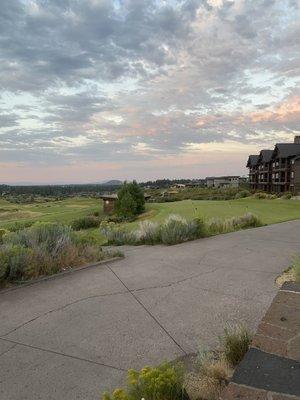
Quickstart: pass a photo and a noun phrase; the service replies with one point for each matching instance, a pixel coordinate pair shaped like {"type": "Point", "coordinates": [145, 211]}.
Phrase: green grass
{"type": "Point", "coordinates": [269, 211]}
{"type": "Point", "coordinates": [63, 211]}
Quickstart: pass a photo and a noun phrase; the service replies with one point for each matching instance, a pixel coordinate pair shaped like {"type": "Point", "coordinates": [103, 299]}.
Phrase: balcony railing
{"type": "Point", "coordinates": [281, 166]}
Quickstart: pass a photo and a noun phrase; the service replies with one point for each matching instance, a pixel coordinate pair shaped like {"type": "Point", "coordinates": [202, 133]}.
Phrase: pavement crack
{"type": "Point", "coordinates": [176, 282]}
{"type": "Point", "coordinates": [6, 351]}
{"type": "Point", "coordinates": [147, 311]}
{"type": "Point", "coordinates": [62, 308]}
{"type": "Point", "coordinates": [62, 354]}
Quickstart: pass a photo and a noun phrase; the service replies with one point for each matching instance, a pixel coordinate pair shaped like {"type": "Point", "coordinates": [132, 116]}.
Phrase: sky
{"type": "Point", "coordinates": [92, 90]}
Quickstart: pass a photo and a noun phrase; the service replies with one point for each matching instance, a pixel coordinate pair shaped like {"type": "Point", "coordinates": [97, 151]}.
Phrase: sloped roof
{"type": "Point", "coordinates": [265, 155]}
{"type": "Point", "coordinates": [288, 149]}
{"type": "Point", "coordinates": [252, 160]}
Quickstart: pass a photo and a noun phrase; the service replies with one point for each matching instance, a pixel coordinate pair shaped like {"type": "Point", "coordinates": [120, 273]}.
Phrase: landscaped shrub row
{"type": "Point", "coordinates": [216, 225]}
{"type": "Point", "coordinates": [175, 229]}
{"type": "Point", "coordinates": [44, 249]}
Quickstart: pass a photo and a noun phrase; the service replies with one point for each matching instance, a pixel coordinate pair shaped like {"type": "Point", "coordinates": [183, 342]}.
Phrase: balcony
{"type": "Point", "coordinates": [281, 166]}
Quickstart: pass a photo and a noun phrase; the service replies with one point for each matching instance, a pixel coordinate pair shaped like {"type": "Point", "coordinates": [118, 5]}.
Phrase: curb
{"type": "Point", "coordinates": [31, 282]}
{"type": "Point", "coordinates": [270, 369]}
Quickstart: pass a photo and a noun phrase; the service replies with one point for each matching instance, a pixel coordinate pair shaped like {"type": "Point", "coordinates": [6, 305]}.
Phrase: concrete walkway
{"type": "Point", "coordinates": [74, 336]}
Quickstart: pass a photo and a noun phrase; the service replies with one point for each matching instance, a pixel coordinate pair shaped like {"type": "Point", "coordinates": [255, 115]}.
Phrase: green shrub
{"type": "Point", "coordinates": [164, 382]}
{"type": "Point", "coordinates": [117, 235]}
{"type": "Point", "coordinates": [44, 249]}
{"type": "Point", "coordinates": [4, 264]}
{"type": "Point", "coordinates": [2, 233]}
{"type": "Point", "coordinates": [248, 220]}
{"type": "Point", "coordinates": [260, 195]}
{"type": "Point", "coordinates": [149, 232]}
{"type": "Point", "coordinates": [131, 200]}
{"type": "Point", "coordinates": [265, 196]}
{"type": "Point", "coordinates": [235, 343]}
{"type": "Point", "coordinates": [177, 229]}
{"type": "Point", "coordinates": [83, 238]}
{"type": "Point", "coordinates": [17, 226]}
{"type": "Point", "coordinates": [242, 194]}
{"type": "Point", "coordinates": [14, 261]}
{"type": "Point", "coordinates": [174, 230]}
{"type": "Point", "coordinates": [85, 223]}
{"type": "Point", "coordinates": [287, 196]}
{"type": "Point", "coordinates": [217, 226]}
{"type": "Point", "coordinates": [51, 237]}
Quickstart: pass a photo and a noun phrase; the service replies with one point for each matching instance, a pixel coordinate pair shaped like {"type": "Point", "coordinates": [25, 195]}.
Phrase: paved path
{"type": "Point", "coordinates": [72, 337]}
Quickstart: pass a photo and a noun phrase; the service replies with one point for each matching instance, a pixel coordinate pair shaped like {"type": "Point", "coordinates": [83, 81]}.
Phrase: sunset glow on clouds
{"type": "Point", "coordinates": [102, 89]}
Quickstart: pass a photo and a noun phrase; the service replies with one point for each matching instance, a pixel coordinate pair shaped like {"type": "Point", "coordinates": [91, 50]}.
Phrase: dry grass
{"type": "Point", "coordinates": [235, 343]}
{"type": "Point", "coordinates": [216, 369]}
{"type": "Point", "coordinates": [291, 274]}
{"type": "Point", "coordinates": [212, 378]}
{"type": "Point", "coordinates": [16, 215]}
{"type": "Point", "coordinates": [287, 276]}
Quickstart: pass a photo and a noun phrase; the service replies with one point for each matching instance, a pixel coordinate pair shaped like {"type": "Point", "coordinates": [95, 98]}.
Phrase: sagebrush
{"type": "Point", "coordinates": [90, 221]}
{"type": "Point", "coordinates": [44, 249]}
{"type": "Point", "coordinates": [175, 229]}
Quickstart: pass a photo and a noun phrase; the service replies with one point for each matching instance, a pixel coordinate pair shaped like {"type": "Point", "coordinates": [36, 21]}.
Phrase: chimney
{"type": "Point", "coordinates": [297, 140]}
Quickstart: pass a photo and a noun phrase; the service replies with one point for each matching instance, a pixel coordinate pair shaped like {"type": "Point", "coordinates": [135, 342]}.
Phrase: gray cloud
{"type": "Point", "coordinates": [132, 80]}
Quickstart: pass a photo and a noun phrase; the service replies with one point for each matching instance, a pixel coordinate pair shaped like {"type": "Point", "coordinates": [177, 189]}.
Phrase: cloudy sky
{"type": "Point", "coordinates": [103, 89]}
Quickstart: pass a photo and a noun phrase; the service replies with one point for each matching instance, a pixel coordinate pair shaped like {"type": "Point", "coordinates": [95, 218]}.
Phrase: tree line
{"type": "Point", "coordinates": [56, 190]}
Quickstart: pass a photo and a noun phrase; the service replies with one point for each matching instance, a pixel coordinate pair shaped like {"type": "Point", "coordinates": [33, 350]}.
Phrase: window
{"type": "Point", "coordinates": [292, 175]}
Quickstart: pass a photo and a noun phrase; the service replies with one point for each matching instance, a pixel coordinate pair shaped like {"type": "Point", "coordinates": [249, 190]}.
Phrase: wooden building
{"type": "Point", "coordinates": [276, 170]}
{"type": "Point", "coordinates": [264, 170]}
{"type": "Point", "coordinates": [109, 202]}
{"type": "Point", "coordinates": [252, 164]}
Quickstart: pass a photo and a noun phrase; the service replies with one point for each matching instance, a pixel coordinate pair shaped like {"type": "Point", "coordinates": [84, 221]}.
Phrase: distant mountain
{"type": "Point", "coordinates": [113, 182]}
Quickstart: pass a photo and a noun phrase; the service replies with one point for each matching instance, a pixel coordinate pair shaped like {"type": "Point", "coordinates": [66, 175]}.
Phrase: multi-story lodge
{"type": "Point", "coordinates": [276, 170]}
